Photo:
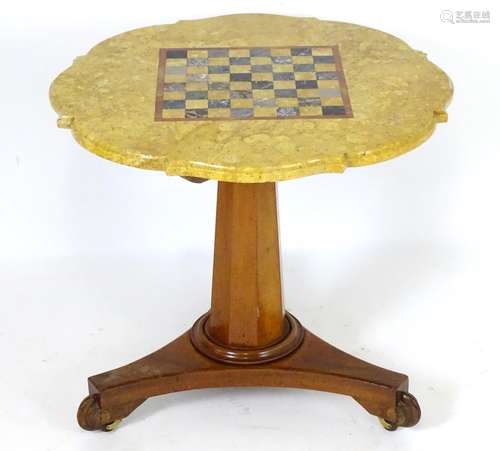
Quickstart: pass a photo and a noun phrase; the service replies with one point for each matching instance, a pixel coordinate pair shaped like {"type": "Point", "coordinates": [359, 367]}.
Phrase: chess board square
{"type": "Point", "coordinates": [301, 51]}
{"type": "Point", "coordinates": [287, 102]}
{"type": "Point", "coordinates": [196, 104]}
{"type": "Point", "coordinates": [241, 77]}
{"type": "Point", "coordinates": [195, 95]}
{"type": "Point", "coordinates": [324, 59]}
{"type": "Point", "coordinates": [219, 103]}
{"type": "Point", "coordinates": [197, 113]}
{"type": "Point", "coordinates": [284, 84]}
{"type": "Point", "coordinates": [197, 69]}
{"type": "Point", "coordinates": [197, 61]}
{"type": "Point", "coordinates": [264, 102]}
{"type": "Point", "coordinates": [329, 92]}
{"type": "Point", "coordinates": [174, 86]}
{"type": "Point", "coordinates": [262, 76]}
{"type": "Point", "coordinates": [197, 77]}
{"type": "Point", "coordinates": [303, 67]}
{"type": "Point", "coordinates": [240, 85]}
{"type": "Point", "coordinates": [320, 68]}
{"type": "Point", "coordinates": [218, 52]}
{"type": "Point", "coordinates": [241, 103]}
{"type": "Point", "coordinates": [333, 110]}
{"type": "Point", "coordinates": [219, 112]}
{"type": "Point", "coordinates": [306, 84]}
{"type": "Point", "coordinates": [218, 61]}
{"type": "Point", "coordinates": [285, 93]}
{"type": "Point", "coordinates": [196, 86]}
{"type": "Point", "coordinates": [326, 75]}
{"type": "Point", "coordinates": [302, 60]}
{"type": "Point", "coordinates": [197, 53]}
{"type": "Point", "coordinates": [287, 111]}
{"type": "Point", "coordinates": [239, 61]}
{"type": "Point", "coordinates": [176, 62]}
{"type": "Point", "coordinates": [174, 95]}
{"type": "Point", "coordinates": [173, 114]}
{"type": "Point", "coordinates": [262, 84]}
{"type": "Point", "coordinates": [175, 70]}
{"type": "Point", "coordinates": [265, 112]}
{"type": "Point", "coordinates": [282, 68]}
{"type": "Point", "coordinates": [218, 86]}
{"type": "Point", "coordinates": [308, 93]}
{"type": "Point", "coordinates": [173, 78]}
{"type": "Point", "coordinates": [283, 76]}
{"type": "Point", "coordinates": [239, 52]}
{"type": "Point", "coordinates": [241, 112]}
{"type": "Point", "coordinates": [256, 60]}
{"type": "Point", "coordinates": [309, 101]}
{"type": "Point", "coordinates": [263, 93]}
{"type": "Point", "coordinates": [332, 101]}
{"type": "Point", "coordinates": [280, 51]}
{"type": "Point", "coordinates": [240, 69]}
{"type": "Point", "coordinates": [218, 78]}
{"type": "Point", "coordinates": [310, 111]}
{"type": "Point", "coordinates": [328, 84]}
{"type": "Point", "coordinates": [305, 76]}
{"type": "Point", "coordinates": [174, 104]}
{"type": "Point", "coordinates": [241, 94]}
{"type": "Point", "coordinates": [282, 59]}
{"type": "Point", "coordinates": [320, 51]}
{"type": "Point", "coordinates": [176, 53]}
{"type": "Point", "coordinates": [220, 94]}
{"type": "Point", "coordinates": [260, 52]}
{"type": "Point", "coordinates": [262, 68]}
{"type": "Point", "coordinates": [222, 69]}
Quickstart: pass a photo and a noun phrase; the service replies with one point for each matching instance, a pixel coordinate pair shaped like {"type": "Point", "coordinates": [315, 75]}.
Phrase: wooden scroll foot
{"type": "Point", "coordinates": [314, 365]}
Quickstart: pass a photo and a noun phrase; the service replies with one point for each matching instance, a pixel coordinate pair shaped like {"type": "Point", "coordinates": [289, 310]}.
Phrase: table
{"type": "Point", "coordinates": [250, 100]}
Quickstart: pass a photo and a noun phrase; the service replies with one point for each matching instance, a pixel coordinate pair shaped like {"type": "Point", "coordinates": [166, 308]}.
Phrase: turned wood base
{"type": "Point", "coordinates": [314, 365]}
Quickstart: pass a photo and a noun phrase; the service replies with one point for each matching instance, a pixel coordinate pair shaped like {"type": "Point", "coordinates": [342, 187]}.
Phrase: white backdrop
{"type": "Point", "coordinates": [396, 262]}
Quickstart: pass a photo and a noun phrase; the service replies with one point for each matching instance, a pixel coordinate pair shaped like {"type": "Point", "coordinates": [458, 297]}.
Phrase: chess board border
{"type": "Point", "coordinates": [162, 56]}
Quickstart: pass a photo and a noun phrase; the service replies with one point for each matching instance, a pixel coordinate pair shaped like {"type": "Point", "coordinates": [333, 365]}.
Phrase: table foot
{"type": "Point", "coordinates": [314, 365]}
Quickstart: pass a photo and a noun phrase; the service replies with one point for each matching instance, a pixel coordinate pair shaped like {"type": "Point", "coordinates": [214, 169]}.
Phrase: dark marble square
{"type": "Point", "coordinates": [309, 101]}
{"type": "Point", "coordinates": [326, 75]}
{"type": "Point", "coordinates": [281, 59]}
{"type": "Point", "coordinates": [306, 84]}
{"type": "Point", "coordinates": [327, 59]}
{"type": "Point", "coordinates": [218, 86]}
{"type": "Point", "coordinates": [267, 102]}
{"type": "Point", "coordinates": [260, 52]}
{"type": "Point", "coordinates": [287, 111]}
{"type": "Point", "coordinates": [241, 112]}
{"type": "Point", "coordinates": [241, 94]}
{"type": "Point", "coordinates": [196, 95]}
{"type": "Point", "coordinates": [174, 104]}
{"type": "Point", "coordinates": [333, 110]}
{"type": "Point", "coordinates": [196, 113]}
{"type": "Point", "coordinates": [218, 53]}
{"type": "Point", "coordinates": [301, 51]}
{"type": "Point", "coordinates": [262, 84]}
{"type": "Point", "coordinates": [197, 61]}
{"type": "Point", "coordinates": [239, 61]}
{"type": "Point", "coordinates": [283, 76]}
{"type": "Point", "coordinates": [175, 86]}
{"type": "Point", "coordinates": [303, 67]}
{"type": "Point", "coordinates": [240, 77]}
{"type": "Point", "coordinates": [218, 69]}
{"type": "Point", "coordinates": [285, 93]}
{"type": "Point", "coordinates": [219, 103]}
{"type": "Point", "coordinates": [262, 68]}
{"type": "Point", "coordinates": [177, 53]}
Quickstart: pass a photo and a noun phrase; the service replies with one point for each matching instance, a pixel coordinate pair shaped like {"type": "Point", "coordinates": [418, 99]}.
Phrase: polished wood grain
{"type": "Point", "coordinates": [247, 339]}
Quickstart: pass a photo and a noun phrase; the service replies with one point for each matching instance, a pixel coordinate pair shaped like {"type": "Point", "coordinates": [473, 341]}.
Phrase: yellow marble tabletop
{"type": "Point", "coordinates": [251, 98]}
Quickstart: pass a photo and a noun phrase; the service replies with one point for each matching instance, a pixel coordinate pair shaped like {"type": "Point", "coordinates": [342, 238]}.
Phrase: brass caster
{"type": "Point", "coordinates": [112, 426]}
{"type": "Point", "coordinates": [91, 417]}
{"type": "Point", "coordinates": [407, 412]}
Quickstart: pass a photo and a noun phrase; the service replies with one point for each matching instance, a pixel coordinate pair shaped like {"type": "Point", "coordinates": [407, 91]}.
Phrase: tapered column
{"type": "Point", "coordinates": [247, 309]}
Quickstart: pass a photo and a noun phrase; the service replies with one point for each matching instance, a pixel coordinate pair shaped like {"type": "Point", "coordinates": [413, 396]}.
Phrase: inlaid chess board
{"type": "Point", "coordinates": [251, 83]}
